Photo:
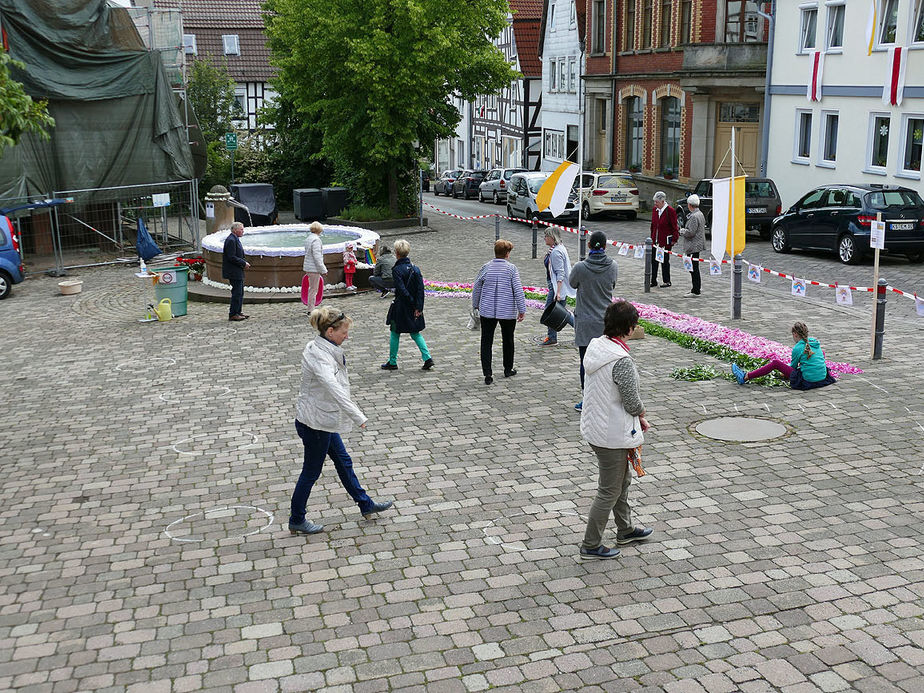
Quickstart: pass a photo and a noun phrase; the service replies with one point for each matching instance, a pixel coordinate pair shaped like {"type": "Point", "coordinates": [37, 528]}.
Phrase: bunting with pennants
{"type": "Point", "coordinates": [895, 80]}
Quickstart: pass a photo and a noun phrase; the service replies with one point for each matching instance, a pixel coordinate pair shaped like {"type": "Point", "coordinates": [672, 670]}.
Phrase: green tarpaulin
{"type": "Point", "coordinates": [116, 117]}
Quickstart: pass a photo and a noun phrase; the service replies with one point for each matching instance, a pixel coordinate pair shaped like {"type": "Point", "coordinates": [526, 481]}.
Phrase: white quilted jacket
{"type": "Point", "coordinates": [324, 402]}
{"type": "Point", "coordinates": [604, 421]}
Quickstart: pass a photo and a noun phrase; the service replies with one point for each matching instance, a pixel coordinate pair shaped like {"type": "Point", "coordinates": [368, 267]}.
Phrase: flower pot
{"type": "Point", "coordinates": [70, 286]}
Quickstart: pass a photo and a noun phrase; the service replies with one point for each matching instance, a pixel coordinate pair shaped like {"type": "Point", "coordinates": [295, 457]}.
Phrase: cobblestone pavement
{"type": "Point", "coordinates": [147, 469]}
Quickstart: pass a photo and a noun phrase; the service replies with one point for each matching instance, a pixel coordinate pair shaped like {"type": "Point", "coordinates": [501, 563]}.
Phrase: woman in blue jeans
{"type": "Point", "coordinates": [557, 271]}
{"type": "Point", "coordinates": [323, 411]}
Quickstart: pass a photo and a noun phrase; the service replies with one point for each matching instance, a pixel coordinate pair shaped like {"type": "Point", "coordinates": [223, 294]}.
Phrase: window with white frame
{"type": "Point", "coordinates": [553, 144]}
{"type": "Point", "coordinates": [834, 36]}
{"type": "Point", "coordinates": [913, 134]}
{"type": "Point", "coordinates": [572, 75]}
{"type": "Point", "coordinates": [918, 36]}
{"type": "Point", "coordinates": [553, 75]}
{"type": "Point", "coordinates": [552, 17]}
{"type": "Point", "coordinates": [572, 19]}
{"type": "Point", "coordinates": [829, 124]}
{"type": "Point", "coordinates": [878, 149]}
{"type": "Point", "coordinates": [809, 28]}
{"type": "Point", "coordinates": [802, 148]}
{"type": "Point", "coordinates": [231, 44]}
{"type": "Point", "coordinates": [239, 108]}
{"type": "Point", "coordinates": [888, 21]}
{"type": "Point", "coordinates": [189, 44]}
{"type": "Point", "coordinates": [563, 75]}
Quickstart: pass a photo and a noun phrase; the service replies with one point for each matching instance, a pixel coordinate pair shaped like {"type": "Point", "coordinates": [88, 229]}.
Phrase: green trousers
{"type": "Point", "coordinates": [395, 342]}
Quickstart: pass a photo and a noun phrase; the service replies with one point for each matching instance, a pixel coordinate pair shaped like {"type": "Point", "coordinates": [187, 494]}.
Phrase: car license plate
{"type": "Point", "coordinates": [618, 198]}
{"type": "Point", "coordinates": [903, 227]}
{"type": "Point", "coordinates": [757, 210]}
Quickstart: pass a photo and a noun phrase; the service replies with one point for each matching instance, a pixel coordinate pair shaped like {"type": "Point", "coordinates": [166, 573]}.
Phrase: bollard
{"type": "Point", "coordinates": [535, 238]}
{"type": "Point", "coordinates": [582, 233]}
{"type": "Point", "coordinates": [647, 265]}
{"type": "Point", "coordinates": [880, 319]}
{"type": "Point", "coordinates": [736, 289]}
{"type": "Point", "coordinates": [496, 227]}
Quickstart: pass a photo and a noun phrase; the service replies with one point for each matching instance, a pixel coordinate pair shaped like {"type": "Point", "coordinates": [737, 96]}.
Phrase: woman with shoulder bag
{"type": "Point", "coordinates": [405, 314]}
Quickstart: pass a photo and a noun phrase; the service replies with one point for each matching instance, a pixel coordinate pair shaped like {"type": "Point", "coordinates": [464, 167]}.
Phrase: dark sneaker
{"type": "Point", "coordinates": [599, 553]}
{"type": "Point", "coordinates": [739, 374]}
{"type": "Point", "coordinates": [509, 374]}
{"type": "Point", "coordinates": [237, 318]}
{"type": "Point", "coordinates": [637, 534]}
{"type": "Point", "coordinates": [548, 342]}
{"type": "Point", "coordinates": [665, 285]}
{"type": "Point", "coordinates": [428, 364]}
{"type": "Point", "coordinates": [488, 379]}
{"type": "Point", "coordinates": [653, 285]}
{"type": "Point", "coordinates": [579, 406]}
{"type": "Point", "coordinates": [389, 366]}
{"type": "Point", "coordinates": [377, 508]}
{"type": "Point", "coordinates": [305, 527]}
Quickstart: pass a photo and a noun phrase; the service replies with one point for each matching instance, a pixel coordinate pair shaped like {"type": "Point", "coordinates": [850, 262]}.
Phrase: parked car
{"type": "Point", "coordinates": [467, 184]}
{"type": "Point", "coordinates": [839, 217]}
{"type": "Point", "coordinates": [762, 204]}
{"type": "Point", "coordinates": [494, 186]}
{"type": "Point", "coordinates": [603, 192]}
{"type": "Point", "coordinates": [443, 184]}
{"type": "Point", "coordinates": [521, 199]}
{"type": "Point", "coordinates": [11, 269]}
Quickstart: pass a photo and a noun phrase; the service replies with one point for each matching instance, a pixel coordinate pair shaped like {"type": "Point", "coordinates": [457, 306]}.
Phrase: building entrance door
{"type": "Point", "coordinates": [745, 119]}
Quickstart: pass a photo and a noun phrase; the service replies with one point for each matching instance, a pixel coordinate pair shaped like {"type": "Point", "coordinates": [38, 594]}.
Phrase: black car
{"type": "Point", "coordinates": [838, 218]}
{"type": "Point", "coordinates": [762, 204]}
{"type": "Point", "coordinates": [467, 184]}
{"type": "Point", "coordinates": [443, 184]}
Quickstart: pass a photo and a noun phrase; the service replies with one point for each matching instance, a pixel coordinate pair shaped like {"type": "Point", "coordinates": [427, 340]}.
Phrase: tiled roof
{"type": "Point", "coordinates": [252, 65]}
{"type": "Point", "coordinates": [526, 34]}
{"type": "Point", "coordinates": [237, 14]}
{"type": "Point", "coordinates": [526, 9]}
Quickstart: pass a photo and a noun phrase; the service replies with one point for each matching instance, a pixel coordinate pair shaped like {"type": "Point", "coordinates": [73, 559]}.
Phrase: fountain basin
{"type": "Point", "coordinates": [276, 253]}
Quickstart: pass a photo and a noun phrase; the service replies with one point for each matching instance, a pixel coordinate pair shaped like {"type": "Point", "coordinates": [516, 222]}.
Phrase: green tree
{"type": "Point", "coordinates": [19, 114]}
{"type": "Point", "coordinates": [210, 90]}
{"type": "Point", "coordinates": [375, 77]}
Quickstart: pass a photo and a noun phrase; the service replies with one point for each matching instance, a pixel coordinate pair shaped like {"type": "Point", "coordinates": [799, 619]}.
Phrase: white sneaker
{"type": "Point", "coordinates": [351, 288]}
{"type": "Point", "coordinates": [691, 295]}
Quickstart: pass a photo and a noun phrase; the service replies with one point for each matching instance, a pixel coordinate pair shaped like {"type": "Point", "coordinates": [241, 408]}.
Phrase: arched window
{"type": "Point", "coordinates": [670, 134]}
{"type": "Point", "coordinates": [634, 132]}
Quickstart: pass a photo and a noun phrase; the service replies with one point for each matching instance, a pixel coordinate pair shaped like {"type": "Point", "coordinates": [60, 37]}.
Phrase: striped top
{"type": "Point", "coordinates": [498, 292]}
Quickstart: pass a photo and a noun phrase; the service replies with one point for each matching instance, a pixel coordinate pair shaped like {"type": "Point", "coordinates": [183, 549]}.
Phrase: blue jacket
{"type": "Point", "coordinates": [409, 297]}
{"type": "Point", "coordinates": [232, 259]}
{"type": "Point", "coordinates": [813, 367]}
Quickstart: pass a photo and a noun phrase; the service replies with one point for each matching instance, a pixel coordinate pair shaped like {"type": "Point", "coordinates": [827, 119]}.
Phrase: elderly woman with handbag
{"type": "Point", "coordinates": [405, 314]}
{"type": "Point", "coordinates": [497, 295]}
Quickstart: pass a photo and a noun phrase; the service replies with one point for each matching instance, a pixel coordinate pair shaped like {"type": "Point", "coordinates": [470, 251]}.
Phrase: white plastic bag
{"type": "Point", "coordinates": [474, 320]}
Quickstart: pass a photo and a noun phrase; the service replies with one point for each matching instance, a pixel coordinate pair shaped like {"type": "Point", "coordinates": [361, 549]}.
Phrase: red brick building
{"type": "Point", "coordinates": [667, 80]}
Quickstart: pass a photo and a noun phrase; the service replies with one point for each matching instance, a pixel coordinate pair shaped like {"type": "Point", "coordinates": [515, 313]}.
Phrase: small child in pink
{"type": "Point", "coordinates": [349, 266]}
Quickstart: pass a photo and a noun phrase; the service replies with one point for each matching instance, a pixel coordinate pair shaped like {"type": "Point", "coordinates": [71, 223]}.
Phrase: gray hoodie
{"type": "Point", "coordinates": [594, 279]}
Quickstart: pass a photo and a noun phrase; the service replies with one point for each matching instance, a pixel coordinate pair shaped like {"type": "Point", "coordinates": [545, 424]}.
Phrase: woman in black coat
{"type": "Point", "coordinates": [406, 312]}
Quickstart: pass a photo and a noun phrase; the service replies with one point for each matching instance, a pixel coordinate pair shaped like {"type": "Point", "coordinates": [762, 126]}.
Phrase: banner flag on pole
{"type": "Point", "coordinates": [871, 20]}
{"type": "Point", "coordinates": [721, 198]}
{"type": "Point", "coordinates": [895, 81]}
{"type": "Point", "coordinates": [736, 221]}
{"type": "Point", "coordinates": [553, 195]}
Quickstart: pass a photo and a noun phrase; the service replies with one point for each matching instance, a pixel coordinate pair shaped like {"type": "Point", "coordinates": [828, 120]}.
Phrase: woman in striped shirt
{"type": "Point", "coordinates": [498, 296]}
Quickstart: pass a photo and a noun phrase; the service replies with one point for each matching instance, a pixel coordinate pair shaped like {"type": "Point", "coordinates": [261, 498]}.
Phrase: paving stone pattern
{"type": "Point", "coordinates": [789, 565]}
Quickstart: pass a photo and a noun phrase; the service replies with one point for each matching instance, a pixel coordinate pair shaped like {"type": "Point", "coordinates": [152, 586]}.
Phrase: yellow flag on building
{"type": "Point", "coordinates": [553, 195]}
{"type": "Point", "coordinates": [871, 20]}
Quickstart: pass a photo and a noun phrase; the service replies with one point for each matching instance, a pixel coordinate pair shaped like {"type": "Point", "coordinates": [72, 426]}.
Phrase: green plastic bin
{"type": "Point", "coordinates": [173, 288]}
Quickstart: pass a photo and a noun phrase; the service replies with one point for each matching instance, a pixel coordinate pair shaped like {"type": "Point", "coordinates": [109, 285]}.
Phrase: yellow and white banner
{"type": "Point", "coordinates": [553, 195]}
{"type": "Point", "coordinates": [728, 223]}
{"type": "Point", "coordinates": [872, 19]}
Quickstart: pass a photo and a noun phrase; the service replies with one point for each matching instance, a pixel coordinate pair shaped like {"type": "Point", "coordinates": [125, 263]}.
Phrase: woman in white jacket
{"type": "Point", "coordinates": [314, 265]}
{"type": "Point", "coordinates": [323, 411]}
{"type": "Point", "coordinates": [612, 421]}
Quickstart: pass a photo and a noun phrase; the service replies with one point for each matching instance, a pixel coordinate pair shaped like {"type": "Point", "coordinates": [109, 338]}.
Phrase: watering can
{"type": "Point", "coordinates": [164, 310]}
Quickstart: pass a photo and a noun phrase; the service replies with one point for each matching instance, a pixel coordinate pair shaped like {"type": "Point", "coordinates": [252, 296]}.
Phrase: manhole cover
{"type": "Point", "coordinates": [741, 429]}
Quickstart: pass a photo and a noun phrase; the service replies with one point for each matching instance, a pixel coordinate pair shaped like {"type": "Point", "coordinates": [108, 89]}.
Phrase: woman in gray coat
{"type": "Point", "coordinates": [594, 279]}
{"type": "Point", "coordinates": [694, 240]}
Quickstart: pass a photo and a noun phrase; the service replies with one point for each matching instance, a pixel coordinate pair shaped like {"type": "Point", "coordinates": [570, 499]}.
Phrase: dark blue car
{"type": "Point", "coordinates": [11, 270]}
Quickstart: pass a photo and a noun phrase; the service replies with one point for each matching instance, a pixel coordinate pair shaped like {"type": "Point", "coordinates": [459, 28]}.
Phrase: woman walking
{"type": "Point", "coordinates": [613, 422]}
{"type": "Point", "coordinates": [498, 296]}
{"type": "Point", "coordinates": [594, 279]}
{"type": "Point", "coordinates": [694, 241]}
{"type": "Point", "coordinates": [323, 411]}
{"type": "Point", "coordinates": [406, 312]}
{"type": "Point", "coordinates": [806, 370]}
{"type": "Point", "coordinates": [313, 264]}
{"type": "Point", "coordinates": [557, 270]}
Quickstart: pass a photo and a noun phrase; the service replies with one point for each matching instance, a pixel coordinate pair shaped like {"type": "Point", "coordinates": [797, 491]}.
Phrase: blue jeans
{"type": "Point", "coordinates": [237, 297]}
{"type": "Point", "coordinates": [553, 335]}
{"type": "Point", "coordinates": [318, 445]}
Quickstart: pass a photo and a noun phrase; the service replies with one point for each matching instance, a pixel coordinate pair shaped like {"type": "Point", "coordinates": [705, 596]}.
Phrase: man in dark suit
{"type": "Point", "coordinates": [233, 265]}
{"type": "Point", "coordinates": [663, 233]}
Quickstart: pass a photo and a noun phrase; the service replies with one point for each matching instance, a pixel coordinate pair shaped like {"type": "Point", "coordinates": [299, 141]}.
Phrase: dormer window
{"type": "Point", "coordinates": [231, 44]}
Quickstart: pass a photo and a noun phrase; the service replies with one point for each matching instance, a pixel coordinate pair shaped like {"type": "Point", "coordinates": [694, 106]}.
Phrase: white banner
{"type": "Point", "coordinates": [721, 206]}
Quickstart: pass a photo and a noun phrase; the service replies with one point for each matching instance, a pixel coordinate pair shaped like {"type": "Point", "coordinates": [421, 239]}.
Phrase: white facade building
{"type": "Point", "coordinates": [850, 135]}
{"type": "Point", "coordinates": [562, 67]}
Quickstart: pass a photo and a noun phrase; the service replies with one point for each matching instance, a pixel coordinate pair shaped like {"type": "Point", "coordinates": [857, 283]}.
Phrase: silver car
{"type": "Point", "coordinates": [521, 199]}
{"type": "Point", "coordinates": [494, 186]}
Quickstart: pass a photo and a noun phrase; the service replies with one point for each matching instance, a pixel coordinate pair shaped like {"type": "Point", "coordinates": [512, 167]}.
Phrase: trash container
{"type": "Point", "coordinates": [335, 199]}
{"type": "Point", "coordinates": [172, 284]}
{"type": "Point", "coordinates": [308, 204]}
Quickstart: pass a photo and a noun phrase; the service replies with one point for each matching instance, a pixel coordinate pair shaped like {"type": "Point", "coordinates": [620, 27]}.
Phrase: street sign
{"type": "Point", "coordinates": [230, 141]}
